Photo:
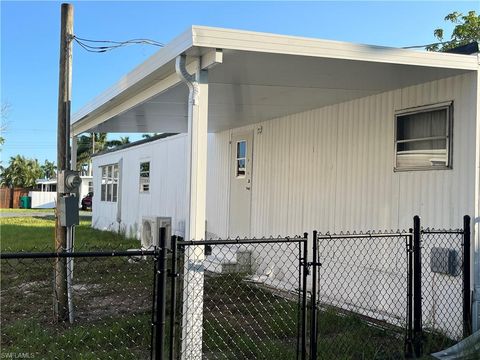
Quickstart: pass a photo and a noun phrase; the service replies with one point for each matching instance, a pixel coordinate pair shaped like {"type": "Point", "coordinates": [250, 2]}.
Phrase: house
{"type": "Point", "coordinates": [278, 135]}
{"type": "Point", "coordinates": [44, 194]}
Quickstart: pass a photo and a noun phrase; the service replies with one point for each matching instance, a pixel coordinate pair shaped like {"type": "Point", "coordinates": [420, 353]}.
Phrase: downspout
{"type": "Point", "coordinates": [193, 90]}
{"type": "Point", "coordinates": [187, 78]}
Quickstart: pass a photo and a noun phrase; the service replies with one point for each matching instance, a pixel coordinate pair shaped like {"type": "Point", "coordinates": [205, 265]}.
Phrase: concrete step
{"type": "Point", "coordinates": [226, 260]}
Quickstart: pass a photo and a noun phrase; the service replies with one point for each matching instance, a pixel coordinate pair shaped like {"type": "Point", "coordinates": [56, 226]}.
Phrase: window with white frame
{"type": "Point", "coordinates": [145, 176]}
{"type": "Point", "coordinates": [90, 186]}
{"type": "Point", "coordinates": [423, 137]}
{"type": "Point", "coordinates": [109, 184]}
{"type": "Point", "coordinates": [241, 157]}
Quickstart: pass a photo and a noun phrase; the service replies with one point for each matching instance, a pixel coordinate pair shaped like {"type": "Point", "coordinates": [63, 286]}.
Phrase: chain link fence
{"type": "Point", "coordinates": [111, 302]}
{"type": "Point", "coordinates": [242, 299]}
{"type": "Point", "coordinates": [357, 296]}
{"type": "Point", "coordinates": [362, 297]}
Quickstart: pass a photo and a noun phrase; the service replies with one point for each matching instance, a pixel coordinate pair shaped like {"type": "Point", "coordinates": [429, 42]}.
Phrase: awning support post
{"type": "Point", "coordinates": [192, 321]}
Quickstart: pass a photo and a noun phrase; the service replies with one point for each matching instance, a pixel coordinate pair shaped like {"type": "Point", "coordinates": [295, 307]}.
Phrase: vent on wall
{"type": "Point", "coordinates": [150, 230]}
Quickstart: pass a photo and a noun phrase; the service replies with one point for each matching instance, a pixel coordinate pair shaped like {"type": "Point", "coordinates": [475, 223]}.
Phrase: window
{"type": "Point", "coordinates": [90, 186]}
{"type": "Point", "coordinates": [109, 185]}
{"type": "Point", "coordinates": [423, 138]}
{"type": "Point", "coordinates": [241, 158]}
{"type": "Point", "coordinates": [145, 176]}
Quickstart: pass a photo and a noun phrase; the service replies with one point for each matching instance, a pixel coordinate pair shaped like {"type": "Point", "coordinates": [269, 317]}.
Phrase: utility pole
{"type": "Point", "coordinates": [63, 155]}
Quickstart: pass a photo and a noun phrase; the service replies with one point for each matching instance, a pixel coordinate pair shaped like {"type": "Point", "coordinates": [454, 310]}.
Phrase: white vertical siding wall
{"type": "Point", "coordinates": [167, 186]}
{"type": "Point", "coordinates": [331, 168]}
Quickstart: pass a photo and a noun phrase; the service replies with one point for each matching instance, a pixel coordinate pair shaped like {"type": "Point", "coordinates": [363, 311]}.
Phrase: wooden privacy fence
{"type": "Point", "coordinates": [10, 197]}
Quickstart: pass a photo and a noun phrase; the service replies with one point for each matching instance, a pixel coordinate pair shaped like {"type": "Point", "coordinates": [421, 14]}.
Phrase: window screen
{"type": "Point", "coordinates": [423, 138]}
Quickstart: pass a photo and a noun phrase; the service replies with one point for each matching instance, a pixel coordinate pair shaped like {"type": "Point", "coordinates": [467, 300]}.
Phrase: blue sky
{"type": "Point", "coordinates": [30, 36]}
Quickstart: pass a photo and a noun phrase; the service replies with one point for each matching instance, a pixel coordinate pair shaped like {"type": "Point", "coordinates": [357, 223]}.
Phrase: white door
{"type": "Point", "coordinates": [241, 184]}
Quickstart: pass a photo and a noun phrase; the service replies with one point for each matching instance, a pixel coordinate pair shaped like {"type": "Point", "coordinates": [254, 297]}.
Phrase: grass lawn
{"type": "Point", "coordinates": [32, 211]}
{"type": "Point", "coordinates": [37, 234]}
{"type": "Point", "coordinates": [112, 296]}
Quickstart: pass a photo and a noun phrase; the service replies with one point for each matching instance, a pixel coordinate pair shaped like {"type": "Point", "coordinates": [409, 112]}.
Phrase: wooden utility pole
{"type": "Point", "coordinates": [63, 153]}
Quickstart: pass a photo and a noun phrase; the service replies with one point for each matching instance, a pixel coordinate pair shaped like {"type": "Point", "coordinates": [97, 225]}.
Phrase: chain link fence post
{"type": "Point", "coordinates": [160, 296]}
{"type": "Point", "coordinates": [417, 288]}
{"type": "Point", "coordinates": [409, 337]}
{"type": "Point", "coordinates": [467, 304]}
{"type": "Point", "coordinates": [173, 298]}
{"type": "Point", "coordinates": [313, 299]}
{"type": "Point", "coordinates": [304, 267]}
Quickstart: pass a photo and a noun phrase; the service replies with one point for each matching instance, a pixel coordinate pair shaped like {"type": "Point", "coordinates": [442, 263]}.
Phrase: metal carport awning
{"type": "Point", "coordinates": [255, 77]}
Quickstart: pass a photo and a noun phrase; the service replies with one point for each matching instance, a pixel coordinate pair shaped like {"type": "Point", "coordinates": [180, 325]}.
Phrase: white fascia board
{"type": "Point", "coordinates": [84, 125]}
{"type": "Point", "coordinates": [177, 46]}
{"type": "Point", "coordinates": [293, 45]}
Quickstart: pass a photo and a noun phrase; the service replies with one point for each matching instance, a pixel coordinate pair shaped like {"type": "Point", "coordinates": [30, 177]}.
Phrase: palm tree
{"type": "Point", "coordinates": [87, 145]}
{"type": "Point", "coordinates": [21, 172]}
{"type": "Point", "coordinates": [49, 169]}
{"type": "Point", "coordinates": [114, 143]}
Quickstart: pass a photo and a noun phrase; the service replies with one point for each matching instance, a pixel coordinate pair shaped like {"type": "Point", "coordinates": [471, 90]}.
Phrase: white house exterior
{"type": "Point", "coordinates": [303, 134]}
{"type": "Point", "coordinates": [45, 195]}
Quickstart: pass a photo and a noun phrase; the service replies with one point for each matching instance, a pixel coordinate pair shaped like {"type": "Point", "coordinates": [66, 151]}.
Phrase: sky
{"type": "Point", "coordinates": [30, 33]}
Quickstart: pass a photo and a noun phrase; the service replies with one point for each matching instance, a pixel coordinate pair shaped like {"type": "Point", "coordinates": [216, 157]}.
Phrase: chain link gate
{"type": "Point", "coordinates": [233, 299]}
{"type": "Point", "coordinates": [441, 309]}
{"type": "Point", "coordinates": [361, 300]}
{"type": "Point", "coordinates": [390, 295]}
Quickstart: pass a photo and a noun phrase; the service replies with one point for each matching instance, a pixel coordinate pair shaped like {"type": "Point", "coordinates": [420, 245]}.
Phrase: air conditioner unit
{"type": "Point", "coordinates": [150, 230]}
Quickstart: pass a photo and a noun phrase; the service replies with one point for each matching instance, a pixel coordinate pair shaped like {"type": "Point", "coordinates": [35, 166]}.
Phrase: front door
{"type": "Point", "coordinates": [241, 184]}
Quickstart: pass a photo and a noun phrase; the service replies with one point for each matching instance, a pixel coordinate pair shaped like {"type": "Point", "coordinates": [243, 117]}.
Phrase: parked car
{"type": "Point", "coordinates": [87, 201]}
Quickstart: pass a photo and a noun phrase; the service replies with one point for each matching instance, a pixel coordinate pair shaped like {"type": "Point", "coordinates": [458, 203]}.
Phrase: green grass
{"type": "Point", "coordinates": [37, 234]}
{"type": "Point", "coordinates": [32, 211]}
{"type": "Point", "coordinates": [349, 336]}
{"type": "Point", "coordinates": [112, 296]}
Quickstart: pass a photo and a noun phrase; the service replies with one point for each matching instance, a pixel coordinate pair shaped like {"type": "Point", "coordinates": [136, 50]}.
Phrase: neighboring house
{"type": "Point", "coordinates": [303, 134]}
{"type": "Point", "coordinates": [45, 193]}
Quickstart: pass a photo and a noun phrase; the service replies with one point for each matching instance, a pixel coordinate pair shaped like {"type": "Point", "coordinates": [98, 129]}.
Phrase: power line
{"type": "Point", "coordinates": [87, 44]}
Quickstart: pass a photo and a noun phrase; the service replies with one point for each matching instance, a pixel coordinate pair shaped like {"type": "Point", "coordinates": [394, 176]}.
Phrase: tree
{"type": "Point", "coordinates": [114, 143]}
{"type": "Point", "coordinates": [49, 169]}
{"type": "Point", "coordinates": [467, 30]}
{"type": "Point", "coordinates": [86, 146]}
{"type": "Point", "coordinates": [148, 136]}
{"type": "Point", "coordinates": [21, 172]}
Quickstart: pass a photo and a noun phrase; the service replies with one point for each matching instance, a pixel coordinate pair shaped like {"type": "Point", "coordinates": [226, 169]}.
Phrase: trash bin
{"type": "Point", "coordinates": [25, 202]}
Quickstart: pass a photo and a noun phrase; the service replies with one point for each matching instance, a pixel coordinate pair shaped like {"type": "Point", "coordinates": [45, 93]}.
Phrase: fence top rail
{"type": "Point", "coordinates": [434, 231]}
{"type": "Point", "coordinates": [242, 241]}
{"type": "Point", "coordinates": [363, 235]}
{"type": "Point", "coordinates": [80, 254]}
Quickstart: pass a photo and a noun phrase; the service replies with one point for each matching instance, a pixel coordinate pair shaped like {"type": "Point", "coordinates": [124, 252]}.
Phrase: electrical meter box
{"type": "Point", "coordinates": [67, 209]}
{"type": "Point", "coordinates": [68, 181]}
{"type": "Point", "coordinates": [444, 261]}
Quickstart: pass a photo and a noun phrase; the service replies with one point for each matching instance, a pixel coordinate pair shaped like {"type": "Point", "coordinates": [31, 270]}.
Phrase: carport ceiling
{"type": "Point", "coordinates": [253, 86]}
